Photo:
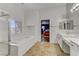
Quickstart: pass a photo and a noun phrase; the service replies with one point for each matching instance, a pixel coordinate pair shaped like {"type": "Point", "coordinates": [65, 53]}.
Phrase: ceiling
{"type": "Point", "coordinates": [28, 6]}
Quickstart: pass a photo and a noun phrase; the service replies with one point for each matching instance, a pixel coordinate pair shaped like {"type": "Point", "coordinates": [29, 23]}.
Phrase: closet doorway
{"type": "Point", "coordinates": [45, 30]}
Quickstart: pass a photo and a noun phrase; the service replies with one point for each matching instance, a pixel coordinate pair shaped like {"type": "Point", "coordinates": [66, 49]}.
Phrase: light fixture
{"type": "Point", "coordinates": [75, 7]}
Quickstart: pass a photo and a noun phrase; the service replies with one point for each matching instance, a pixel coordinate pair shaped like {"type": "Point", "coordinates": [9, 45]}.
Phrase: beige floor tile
{"type": "Point", "coordinates": [45, 49]}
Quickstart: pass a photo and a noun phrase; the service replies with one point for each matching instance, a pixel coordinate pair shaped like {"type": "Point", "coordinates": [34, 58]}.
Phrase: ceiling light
{"type": "Point", "coordinates": [75, 7]}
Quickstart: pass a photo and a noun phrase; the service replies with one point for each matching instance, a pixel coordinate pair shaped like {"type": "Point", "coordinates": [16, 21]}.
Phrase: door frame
{"type": "Point", "coordinates": [49, 28]}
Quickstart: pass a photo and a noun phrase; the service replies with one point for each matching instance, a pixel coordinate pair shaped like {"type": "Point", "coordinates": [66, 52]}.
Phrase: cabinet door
{"type": "Point", "coordinates": [73, 50]}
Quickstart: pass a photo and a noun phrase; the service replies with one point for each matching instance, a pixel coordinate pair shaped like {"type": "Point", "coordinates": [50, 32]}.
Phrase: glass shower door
{"type": "Point", "coordinates": [3, 36]}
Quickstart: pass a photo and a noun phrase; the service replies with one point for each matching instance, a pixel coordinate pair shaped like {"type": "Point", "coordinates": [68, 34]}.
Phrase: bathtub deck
{"type": "Point", "coordinates": [45, 49]}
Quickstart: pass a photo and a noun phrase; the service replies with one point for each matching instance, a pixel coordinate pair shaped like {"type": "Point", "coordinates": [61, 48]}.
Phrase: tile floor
{"type": "Point", "coordinates": [45, 49]}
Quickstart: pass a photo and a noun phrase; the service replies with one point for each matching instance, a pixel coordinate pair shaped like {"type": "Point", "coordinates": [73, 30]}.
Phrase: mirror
{"type": "Point", "coordinates": [66, 25]}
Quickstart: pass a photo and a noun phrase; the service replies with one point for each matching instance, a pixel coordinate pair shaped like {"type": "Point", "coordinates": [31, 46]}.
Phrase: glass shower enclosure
{"type": "Point", "coordinates": [4, 34]}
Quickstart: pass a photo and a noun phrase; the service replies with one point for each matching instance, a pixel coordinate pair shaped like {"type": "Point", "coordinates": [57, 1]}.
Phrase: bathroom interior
{"type": "Point", "coordinates": [39, 29]}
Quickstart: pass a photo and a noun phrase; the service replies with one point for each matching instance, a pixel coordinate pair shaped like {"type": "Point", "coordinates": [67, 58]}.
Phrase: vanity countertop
{"type": "Point", "coordinates": [75, 41]}
{"type": "Point", "coordinates": [71, 38]}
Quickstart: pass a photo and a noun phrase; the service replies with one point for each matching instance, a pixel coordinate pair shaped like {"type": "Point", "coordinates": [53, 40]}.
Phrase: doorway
{"type": "Point", "coordinates": [45, 30]}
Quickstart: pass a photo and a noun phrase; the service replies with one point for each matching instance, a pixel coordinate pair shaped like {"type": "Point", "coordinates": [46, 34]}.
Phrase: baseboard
{"type": "Point", "coordinates": [60, 48]}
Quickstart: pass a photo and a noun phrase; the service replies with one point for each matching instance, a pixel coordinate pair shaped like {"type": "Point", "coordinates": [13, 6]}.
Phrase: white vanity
{"type": "Point", "coordinates": [69, 43]}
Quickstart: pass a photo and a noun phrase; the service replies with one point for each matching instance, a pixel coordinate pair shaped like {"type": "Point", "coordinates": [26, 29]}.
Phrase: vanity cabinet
{"type": "Point", "coordinates": [62, 44]}
{"type": "Point", "coordinates": [69, 43]}
{"type": "Point", "coordinates": [59, 40]}
{"type": "Point", "coordinates": [74, 50]}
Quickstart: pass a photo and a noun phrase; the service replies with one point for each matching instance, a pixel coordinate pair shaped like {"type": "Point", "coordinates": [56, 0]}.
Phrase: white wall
{"type": "Point", "coordinates": [75, 17]}
{"type": "Point", "coordinates": [15, 10]}
{"type": "Point", "coordinates": [32, 24]}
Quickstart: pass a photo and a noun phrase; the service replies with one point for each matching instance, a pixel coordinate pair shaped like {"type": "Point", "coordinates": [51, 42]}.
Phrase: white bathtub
{"type": "Point", "coordinates": [21, 46]}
